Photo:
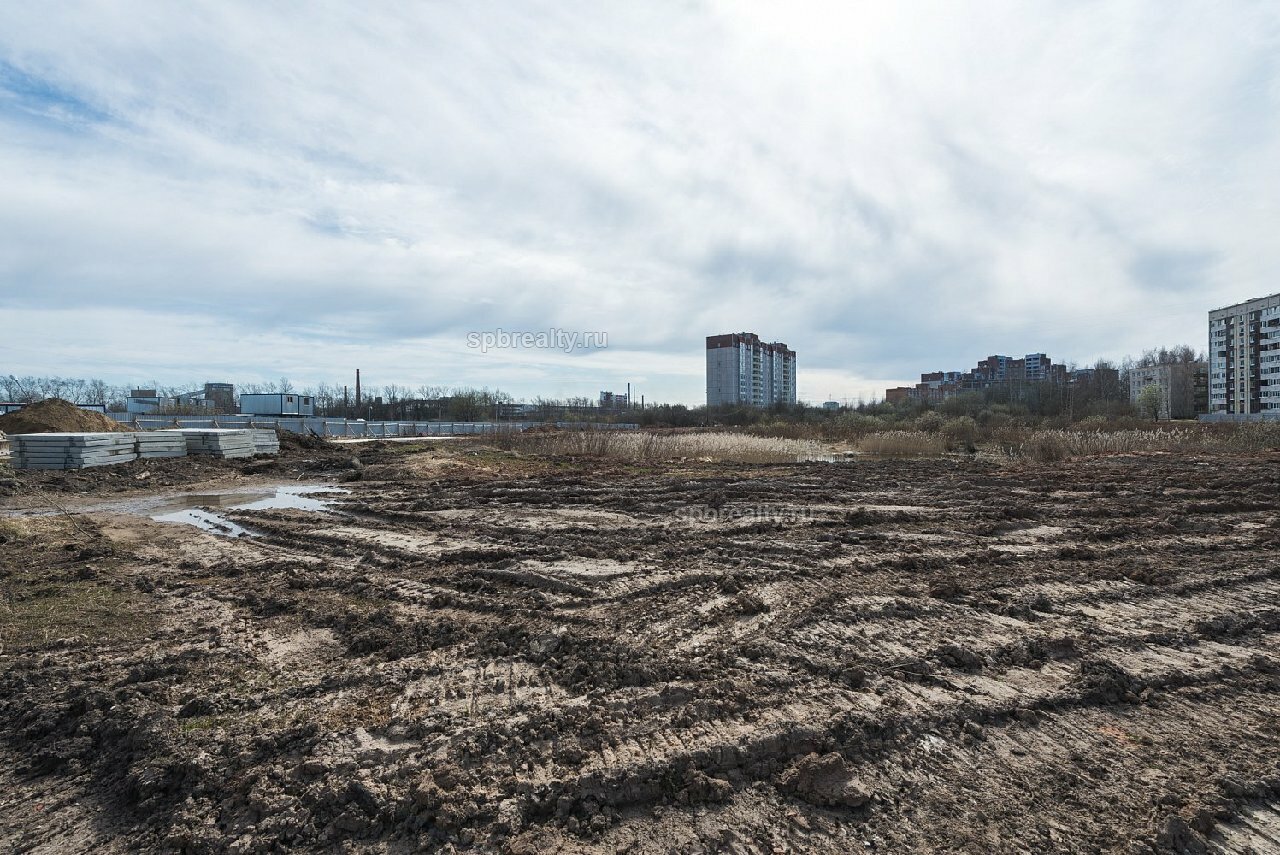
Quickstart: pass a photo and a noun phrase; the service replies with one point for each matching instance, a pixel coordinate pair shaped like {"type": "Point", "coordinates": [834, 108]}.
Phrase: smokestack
{"type": "Point", "coordinates": [628, 396]}
{"type": "Point", "coordinates": [357, 388]}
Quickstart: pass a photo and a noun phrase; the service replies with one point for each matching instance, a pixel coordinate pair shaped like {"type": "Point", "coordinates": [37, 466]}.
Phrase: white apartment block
{"type": "Point", "coordinates": [1244, 357]}
{"type": "Point", "coordinates": [1177, 383]}
{"type": "Point", "coordinates": [743, 370]}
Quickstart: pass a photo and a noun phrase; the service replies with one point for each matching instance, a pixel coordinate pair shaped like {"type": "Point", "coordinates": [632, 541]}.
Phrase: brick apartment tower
{"type": "Point", "coordinates": [743, 370]}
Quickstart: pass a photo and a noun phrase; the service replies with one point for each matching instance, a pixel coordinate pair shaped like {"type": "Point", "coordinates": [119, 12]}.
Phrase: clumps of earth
{"type": "Point", "coordinates": [547, 654]}
{"type": "Point", "coordinates": [826, 781]}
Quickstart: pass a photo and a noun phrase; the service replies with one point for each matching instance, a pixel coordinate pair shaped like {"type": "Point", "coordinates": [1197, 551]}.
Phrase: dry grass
{"type": "Point", "coordinates": [78, 610]}
{"type": "Point", "coordinates": [1011, 442]}
{"type": "Point", "coordinates": [641, 446]}
{"type": "Point", "coordinates": [903, 443]}
{"type": "Point", "coordinates": [934, 436]}
{"type": "Point", "coordinates": [1048, 446]}
{"type": "Point", "coordinates": [12, 530]}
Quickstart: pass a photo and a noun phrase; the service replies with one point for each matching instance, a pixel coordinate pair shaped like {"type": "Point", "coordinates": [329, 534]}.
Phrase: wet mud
{"type": "Point", "coordinates": [885, 656]}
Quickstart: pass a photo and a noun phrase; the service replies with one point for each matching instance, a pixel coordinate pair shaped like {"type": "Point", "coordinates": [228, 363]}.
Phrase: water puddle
{"type": "Point", "coordinates": [205, 521]}
{"type": "Point", "coordinates": [193, 508]}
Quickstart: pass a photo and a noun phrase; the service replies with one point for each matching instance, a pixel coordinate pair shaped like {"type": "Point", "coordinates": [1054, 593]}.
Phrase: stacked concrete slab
{"type": "Point", "coordinates": [265, 441]}
{"type": "Point", "coordinates": [71, 450]}
{"type": "Point", "coordinates": [218, 442]}
{"type": "Point", "coordinates": [160, 444]}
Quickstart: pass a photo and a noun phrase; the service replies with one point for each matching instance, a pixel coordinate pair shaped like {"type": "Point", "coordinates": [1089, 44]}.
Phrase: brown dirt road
{"type": "Point", "coordinates": [509, 654]}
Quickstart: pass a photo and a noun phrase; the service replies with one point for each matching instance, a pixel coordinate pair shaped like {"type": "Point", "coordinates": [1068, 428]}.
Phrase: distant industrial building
{"type": "Point", "coordinates": [615, 400]}
{"type": "Point", "coordinates": [744, 371]}
{"type": "Point", "coordinates": [221, 397]}
{"type": "Point", "coordinates": [213, 398]}
{"type": "Point", "coordinates": [1182, 385]}
{"type": "Point", "coordinates": [1244, 357]}
{"type": "Point", "coordinates": [191, 401]}
{"type": "Point", "coordinates": [278, 404]}
{"type": "Point", "coordinates": [509, 410]}
{"type": "Point", "coordinates": [143, 401]}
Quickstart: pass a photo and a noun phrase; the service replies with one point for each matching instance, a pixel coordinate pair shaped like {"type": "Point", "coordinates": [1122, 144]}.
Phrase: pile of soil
{"type": "Point", "coordinates": [291, 442]}
{"type": "Point", "coordinates": [58, 416]}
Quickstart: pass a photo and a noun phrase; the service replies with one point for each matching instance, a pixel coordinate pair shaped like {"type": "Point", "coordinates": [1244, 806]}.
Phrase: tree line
{"type": "Point", "coordinates": [334, 400]}
{"type": "Point", "coordinates": [1103, 394]}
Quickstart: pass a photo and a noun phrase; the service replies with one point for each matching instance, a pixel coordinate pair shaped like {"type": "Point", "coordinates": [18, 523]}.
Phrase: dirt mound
{"type": "Point", "coordinates": [290, 441]}
{"type": "Point", "coordinates": [824, 780]}
{"type": "Point", "coordinates": [58, 416]}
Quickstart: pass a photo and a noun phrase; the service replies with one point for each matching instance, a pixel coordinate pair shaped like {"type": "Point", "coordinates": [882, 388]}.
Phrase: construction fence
{"type": "Point", "coordinates": [1240, 417]}
{"type": "Point", "coordinates": [339, 428]}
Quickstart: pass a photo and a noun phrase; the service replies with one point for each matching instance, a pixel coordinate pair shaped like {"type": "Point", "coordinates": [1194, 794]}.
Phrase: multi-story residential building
{"type": "Point", "coordinates": [901, 394]}
{"type": "Point", "coordinates": [1037, 366]}
{"type": "Point", "coordinates": [743, 370]}
{"type": "Point", "coordinates": [936, 386]}
{"type": "Point", "coordinates": [1180, 384]}
{"type": "Point", "coordinates": [995, 370]}
{"type": "Point", "coordinates": [1244, 357]}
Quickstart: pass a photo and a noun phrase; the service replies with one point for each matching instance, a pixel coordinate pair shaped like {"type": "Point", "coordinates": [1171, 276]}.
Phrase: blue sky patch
{"type": "Point", "coordinates": [28, 96]}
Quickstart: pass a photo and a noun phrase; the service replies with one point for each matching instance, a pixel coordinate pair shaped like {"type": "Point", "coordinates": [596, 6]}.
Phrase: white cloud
{"type": "Point", "coordinates": [887, 188]}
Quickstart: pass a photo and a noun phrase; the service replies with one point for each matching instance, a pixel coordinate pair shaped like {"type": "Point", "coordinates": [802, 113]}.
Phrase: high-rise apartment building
{"type": "Point", "coordinates": [743, 370]}
{"type": "Point", "coordinates": [1180, 383]}
{"type": "Point", "coordinates": [1244, 357]}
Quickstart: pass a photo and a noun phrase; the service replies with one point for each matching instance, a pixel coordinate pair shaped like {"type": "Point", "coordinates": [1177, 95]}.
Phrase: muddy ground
{"type": "Point", "coordinates": [481, 651]}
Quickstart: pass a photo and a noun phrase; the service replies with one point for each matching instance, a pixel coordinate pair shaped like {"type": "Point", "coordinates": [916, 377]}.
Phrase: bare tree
{"type": "Point", "coordinates": [97, 392]}
{"type": "Point", "coordinates": [1178, 354]}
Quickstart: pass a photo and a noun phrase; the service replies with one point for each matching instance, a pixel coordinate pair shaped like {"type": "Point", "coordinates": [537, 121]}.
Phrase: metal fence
{"type": "Point", "coordinates": [1239, 417]}
{"type": "Point", "coordinates": [352, 427]}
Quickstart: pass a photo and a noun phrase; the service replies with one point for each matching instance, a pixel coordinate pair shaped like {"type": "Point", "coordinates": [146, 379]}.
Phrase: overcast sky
{"type": "Point", "coordinates": [243, 191]}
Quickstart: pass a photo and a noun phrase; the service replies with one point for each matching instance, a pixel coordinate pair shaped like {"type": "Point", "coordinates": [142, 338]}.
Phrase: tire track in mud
{"type": "Point", "coordinates": [891, 656]}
